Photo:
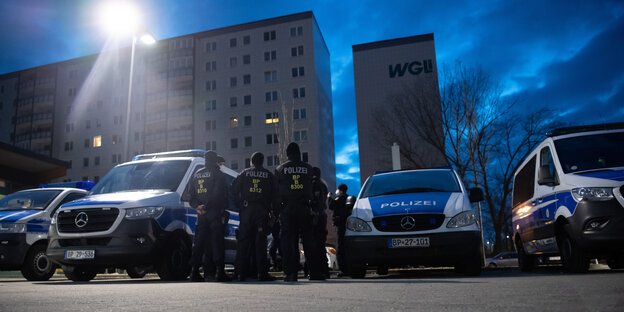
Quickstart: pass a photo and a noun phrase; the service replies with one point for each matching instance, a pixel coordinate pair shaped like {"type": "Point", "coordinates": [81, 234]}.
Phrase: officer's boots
{"type": "Point", "coordinates": [266, 277]}
{"type": "Point", "coordinates": [222, 277]}
{"type": "Point", "coordinates": [195, 276]}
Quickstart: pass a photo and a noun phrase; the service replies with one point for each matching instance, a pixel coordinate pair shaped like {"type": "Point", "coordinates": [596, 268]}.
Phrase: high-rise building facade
{"type": "Point", "coordinates": [236, 90]}
{"type": "Point", "coordinates": [397, 100]}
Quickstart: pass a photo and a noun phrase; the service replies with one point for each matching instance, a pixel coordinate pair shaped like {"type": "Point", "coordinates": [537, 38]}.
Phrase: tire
{"type": "Point", "coordinates": [573, 257]}
{"type": "Point", "coordinates": [80, 274]}
{"type": "Point", "coordinates": [471, 266]}
{"type": "Point", "coordinates": [616, 263]}
{"type": "Point", "coordinates": [37, 266]}
{"type": "Point", "coordinates": [525, 262]}
{"type": "Point", "coordinates": [382, 270]}
{"type": "Point", "coordinates": [174, 265]}
{"type": "Point", "coordinates": [357, 270]}
{"type": "Point", "coordinates": [137, 271]}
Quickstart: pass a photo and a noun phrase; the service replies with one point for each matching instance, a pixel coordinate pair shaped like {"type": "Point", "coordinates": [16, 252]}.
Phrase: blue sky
{"type": "Point", "coordinates": [563, 55]}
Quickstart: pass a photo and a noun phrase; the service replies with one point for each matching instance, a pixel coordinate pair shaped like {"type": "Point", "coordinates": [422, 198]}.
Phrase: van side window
{"type": "Point", "coordinates": [524, 183]}
{"type": "Point", "coordinates": [546, 159]}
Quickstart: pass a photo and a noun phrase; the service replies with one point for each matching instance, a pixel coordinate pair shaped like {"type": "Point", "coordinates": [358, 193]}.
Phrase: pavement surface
{"type": "Point", "coordinates": [404, 290]}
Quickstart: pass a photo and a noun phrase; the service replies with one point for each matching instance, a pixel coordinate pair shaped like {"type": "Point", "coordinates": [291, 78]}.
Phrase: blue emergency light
{"type": "Point", "coordinates": [85, 185]}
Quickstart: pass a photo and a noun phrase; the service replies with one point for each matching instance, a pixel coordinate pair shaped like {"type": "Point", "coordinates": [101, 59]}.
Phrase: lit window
{"type": "Point", "coordinates": [271, 118]}
{"type": "Point", "coordinates": [97, 141]}
{"type": "Point", "coordinates": [233, 122]}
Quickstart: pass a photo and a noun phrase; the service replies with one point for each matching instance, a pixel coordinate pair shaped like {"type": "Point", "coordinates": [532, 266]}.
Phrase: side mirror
{"type": "Point", "coordinates": [475, 195]}
{"type": "Point", "coordinates": [544, 177]}
{"type": "Point", "coordinates": [350, 202]}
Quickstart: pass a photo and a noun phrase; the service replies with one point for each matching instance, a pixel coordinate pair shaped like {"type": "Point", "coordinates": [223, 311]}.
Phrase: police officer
{"type": "Point", "coordinates": [208, 196]}
{"type": "Point", "coordinates": [294, 180]}
{"type": "Point", "coordinates": [339, 218]}
{"type": "Point", "coordinates": [255, 187]}
{"type": "Point", "coordinates": [319, 218]}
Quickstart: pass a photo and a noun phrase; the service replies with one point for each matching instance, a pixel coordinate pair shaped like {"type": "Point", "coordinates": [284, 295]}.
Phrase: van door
{"type": "Point", "coordinates": [545, 202]}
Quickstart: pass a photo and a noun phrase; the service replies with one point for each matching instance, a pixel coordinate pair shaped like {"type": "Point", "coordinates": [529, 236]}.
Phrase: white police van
{"type": "Point", "coordinates": [414, 217]}
{"type": "Point", "coordinates": [24, 222]}
{"type": "Point", "coordinates": [567, 199]}
{"type": "Point", "coordinates": [134, 219]}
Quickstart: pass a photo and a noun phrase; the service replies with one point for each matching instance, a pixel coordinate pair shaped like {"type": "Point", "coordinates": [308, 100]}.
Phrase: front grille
{"type": "Point", "coordinates": [422, 222]}
{"type": "Point", "coordinates": [97, 220]}
{"type": "Point", "coordinates": [94, 241]}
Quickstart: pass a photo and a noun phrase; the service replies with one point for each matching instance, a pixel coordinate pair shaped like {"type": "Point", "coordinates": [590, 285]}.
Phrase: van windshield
{"type": "Point", "coordinates": [591, 152]}
{"type": "Point", "coordinates": [154, 175]}
{"type": "Point", "coordinates": [28, 200]}
{"type": "Point", "coordinates": [411, 182]}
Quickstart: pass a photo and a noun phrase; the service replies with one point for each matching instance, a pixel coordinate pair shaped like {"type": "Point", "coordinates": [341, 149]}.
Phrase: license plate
{"type": "Point", "coordinates": [408, 242]}
{"type": "Point", "coordinates": [79, 254]}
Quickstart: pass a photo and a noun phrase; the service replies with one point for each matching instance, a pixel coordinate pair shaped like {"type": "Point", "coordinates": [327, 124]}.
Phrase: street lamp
{"type": "Point", "coordinates": [120, 18]}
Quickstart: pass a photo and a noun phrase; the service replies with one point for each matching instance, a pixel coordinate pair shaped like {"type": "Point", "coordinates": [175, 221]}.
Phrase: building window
{"type": "Point", "coordinates": [234, 165]}
{"type": "Point", "coordinates": [246, 59]}
{"type": "Point", "coordinates": [232, 42]}
{"type": "Point", "coordinates": [211, 125]}
{"type": "Point", "coordinates": [296, 31]}
{"type": "Point", "coordinates": [233, 144]}
{"type": "Point", "coordinates": [299, 114]}
{"type": "Point", "coordinates": [69, 146]}
{"type": "Point", "coordinates": [246, 79]}
{"type": "Point", "coordinates": [299, 93]}
{"type": "Point", "coordinates": [211, 46]}
{"type": "Point", "coordinates": [271, 118]}
{"type": "Point", "coordinates": [248, 141]}
{"type": "Point", "coordinates": [116, 139]}
{"type": "Point", "coordinates": [211, 85]}
{"type": "Point", "coordinates": [301, 136]}
{"type": "Point", "coordinates": [269, 35]}
{"type": "Point", "coordinates": [71, 92]}
{"type": "Point", "coordinates": [117, 120]}
{"type": "Point", "coordinates": [270, 96]}
{"type": "Point", "coordinates": [247, 121]}
{"type": "Point", "coordinates": [211, 66]}
{"type": "Point", "coordinates": [270, 76]}
{"type": "Point", "coordinates": [116, 158]}
{"type": "Point", "coordinates": [233, 82]}
{"type": "Point", "coordinates": [85, 162]}
{"type": "Point", "coordinates": [96, 161]}
{"type": "Point", "coordinates": [270, 55]}
{"type": "Point", "coordinates": [272, 139]}
{"type": "Point", "coordinates": [233, 122]}
{"type": "Point", "coordinates": [233, 101]}
{"type": "Point", "coordinates": [97, 141]}
{"type": "Point", "coordinates": [233, 61]}
{"type": "Point", "coordinates": [69, 127]}
{"type": "Point", "coordinates": [211, 105]}
{"type": "Point", "coordinates": [272, 160]}
{"type": "Point", "coordinates": [304, 156]}
{"type": "Point", "coordinates": [296, 51]}
{"type": "Point", "coordinates": [86, 143]}
{"type": "Point", "coordinates": [211, 145]}
{"type": "Point", "coordinates": [247, 99]}
{"type": "Point", "coordinates": [246, 40]}
{"type": "Point", "coordinates": [298, 71]}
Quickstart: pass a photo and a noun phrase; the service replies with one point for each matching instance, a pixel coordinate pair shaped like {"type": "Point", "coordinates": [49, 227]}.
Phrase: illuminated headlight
{"type": "Point", "coordinates": [357, 225]}
{"type": "Point", "coordinates": [592, 193]}
{"type": "Point", "coordinates": [12, 227]}
{"type": "Point", "coordinates": [144, 212]}
{"type": "Point", "coordinates": [462, 219]}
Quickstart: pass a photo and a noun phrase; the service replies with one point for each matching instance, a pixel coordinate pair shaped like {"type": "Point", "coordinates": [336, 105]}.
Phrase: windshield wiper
{"type": "Point", "coordinates": [412, 190]}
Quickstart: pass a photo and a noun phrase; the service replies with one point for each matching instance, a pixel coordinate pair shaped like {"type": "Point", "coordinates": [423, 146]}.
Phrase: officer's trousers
{"type": "Point", "coordinates": [208, 244]}
{"type": "Point", "coordinates": [296, 222]}
{"type": "Point", "coordinates": [252, 235]}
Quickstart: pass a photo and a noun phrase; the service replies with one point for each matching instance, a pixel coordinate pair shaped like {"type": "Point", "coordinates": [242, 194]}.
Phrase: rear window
{"type": "Point", "coordinates": [524, 183]}
{"type": "Point", "coordinates": [411, 182]}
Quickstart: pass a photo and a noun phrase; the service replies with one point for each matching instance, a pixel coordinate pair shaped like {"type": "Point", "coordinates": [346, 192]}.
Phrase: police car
{"type": "Point", "coordinates": [567, 199]}
{"type": "Point", "coordinates": [134, 219]}
{"type": "Point", "coordinates": [24, 221]}
{"type": "Point", "coordinates": [414, 217]}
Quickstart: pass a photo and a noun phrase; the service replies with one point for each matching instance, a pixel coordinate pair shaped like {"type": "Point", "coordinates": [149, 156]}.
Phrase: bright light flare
{"type": "Point", "coordinates": [119, 17]}
{"type": "Point", "coordinates": [148, 39]}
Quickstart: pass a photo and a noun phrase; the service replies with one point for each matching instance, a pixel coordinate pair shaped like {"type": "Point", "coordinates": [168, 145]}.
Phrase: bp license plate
{"type": "Point", "coordinates": [408, 242]}
{"type": "Point", "coordinates": [79, 254]}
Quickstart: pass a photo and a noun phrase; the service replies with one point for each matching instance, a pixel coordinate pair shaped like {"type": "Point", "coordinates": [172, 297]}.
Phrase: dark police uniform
{"type": "Point", "coordinates": [319, 229]}
{"type": "Point", "coordinates": [209, 188]}
{"type": "Point", "coordinates": [339, 217]}
{"type": "Point", "coordinates": [294, 180]}
{"type": "Point", "coordinates": [256, 190]}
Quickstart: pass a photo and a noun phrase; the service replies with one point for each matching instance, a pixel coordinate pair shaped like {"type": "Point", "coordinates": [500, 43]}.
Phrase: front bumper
{"type": "Point", "coordinates": [445, 249]}
{"type": "Point", "coordinates": [13, 249]}
{"type": "Point", "coordinates": [134, 242]}
{"type": "Point", "coordinates": [610, 238]}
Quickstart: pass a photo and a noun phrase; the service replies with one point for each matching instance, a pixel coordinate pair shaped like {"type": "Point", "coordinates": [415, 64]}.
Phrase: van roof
{"type": "Point", "coordinates": [585, 128]}
{"type": "Point", "coordinates": [184, 153]}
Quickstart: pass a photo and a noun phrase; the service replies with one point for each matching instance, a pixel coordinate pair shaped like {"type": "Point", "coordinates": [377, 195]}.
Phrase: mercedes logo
{"type": "Point", "coordinates": [408, 223]}
{"type": "Point", "coordinates": [82, 219]}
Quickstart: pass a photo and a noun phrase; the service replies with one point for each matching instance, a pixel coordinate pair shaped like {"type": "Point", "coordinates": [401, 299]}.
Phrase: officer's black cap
{"type": "Point", "coordinates": [316, 171]}
{"type": "Point", "coordinates": [342, 187]}
{"type": "Point", "coordinates": [292, 151]}
{"type": "Point", "coordinates": [257, 159]}
{"type": "Point", "coordinates": [211, 158]}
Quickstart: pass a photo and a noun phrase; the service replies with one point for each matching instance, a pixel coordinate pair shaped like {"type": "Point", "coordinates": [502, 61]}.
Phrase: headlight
{"type": "Point", "coordinates": [462, 219]}
{"type": "Point", "coordinates": [592, 193]}
{"type": "Point", "coordinates": [144, 212]}
{"type": "Point", "coordinates": [357, 225]}
{"type": "Point", "coordinates": [12, 227]}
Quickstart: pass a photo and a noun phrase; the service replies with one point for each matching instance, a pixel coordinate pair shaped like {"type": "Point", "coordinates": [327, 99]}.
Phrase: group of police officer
{"type": "Point", "coordinates": [294, 198]}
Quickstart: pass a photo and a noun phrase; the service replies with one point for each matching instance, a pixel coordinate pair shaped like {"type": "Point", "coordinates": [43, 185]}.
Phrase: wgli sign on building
{"type": "Point", "coordinates": [414, 68]}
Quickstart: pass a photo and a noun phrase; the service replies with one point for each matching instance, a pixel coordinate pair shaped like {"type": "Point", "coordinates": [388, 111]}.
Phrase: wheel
{"type": "Point", "coordinates": [573, 257]}
{"type": "Point", "coordinates": [357, 270]}
{"type": "Point", "coordinates": [80, 274]}
{"type": "Point", "coordinates": [382, 270]}
{"type": "Point", "coordinates": [174, 265]}
{"type": "Point", "coordinates": [492, 265]}
{"type": "Point", "coordinates": [37, 266]}
{"type": "Point", "coordinates": [525, 262]}
{"type": "Point", "coordinates": [471, 266]}
{"type": "Point", "coordinates": [136, 271]}
{"type": "Point", "coordinates": [616, 263]}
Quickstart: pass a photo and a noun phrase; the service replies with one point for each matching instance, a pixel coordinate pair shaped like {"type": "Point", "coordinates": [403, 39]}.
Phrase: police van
{"type": "Point", "coordinates": [567, 199]}
{"type": "Point", "coordinates": [24, 222]}
{"type": "Point", "coordinates": [414, 217]}
{"type": "Point", "coordinates": [134, 219]}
